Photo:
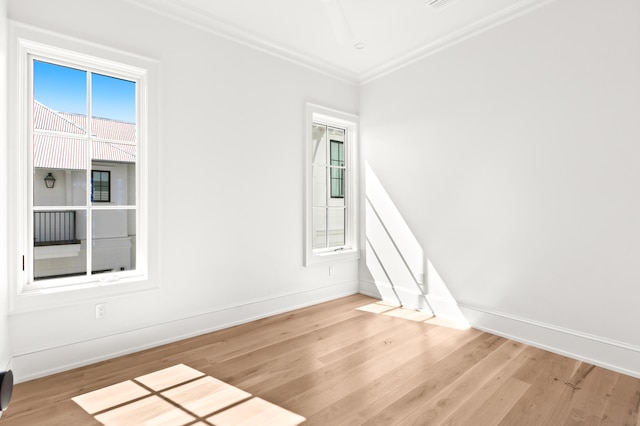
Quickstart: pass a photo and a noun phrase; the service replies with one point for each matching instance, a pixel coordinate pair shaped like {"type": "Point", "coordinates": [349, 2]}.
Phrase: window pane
{"type": "Point", "coordinates": [337, 186]}
{"type": "Point", "coordinates": [336, 134]}
{"type": "Point", "coordinates": [319, 228]}
{"type": "Point", "coordinates": [59, 249]}
{"type": "Point", "coordinates": [319, 140]}
{"type": "Point", "coordinates": [335, 227]}
{"type": "Point", "coordinates": [68, 187]}
{"type": "Point", "coordinates": [319, 186]}
{"type": "Point", "coordinates": [113, 100]}
{"type": "Point", "coordinates": [59, 106]}
{"type": "Point", "coordinates": [112, 243]}
{"type": "Point", "coordinates": [337, 153]}
{"type": "Point", "coordinates": [113, 124]}
{"type": "Point", "coordinates": [60, 98]}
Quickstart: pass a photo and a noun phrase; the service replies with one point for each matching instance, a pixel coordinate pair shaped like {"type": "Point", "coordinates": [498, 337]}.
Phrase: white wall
{"type": "Point", "coordinates": [4, 264]}
{"type": "Point", "coordinates": [226, 192]}
{"type": "Point", "coordinates": [513, 156]}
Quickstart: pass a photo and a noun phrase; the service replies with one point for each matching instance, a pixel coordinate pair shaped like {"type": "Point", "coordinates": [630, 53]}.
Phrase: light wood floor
{"type": "Point", "coordinates": [336, 365]}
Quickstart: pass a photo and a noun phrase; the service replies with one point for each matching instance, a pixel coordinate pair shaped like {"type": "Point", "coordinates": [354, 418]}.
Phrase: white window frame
{"type": "Point", "coordinates": [27, 294]}
{"type": "Point", "coordinates": [349, 122]}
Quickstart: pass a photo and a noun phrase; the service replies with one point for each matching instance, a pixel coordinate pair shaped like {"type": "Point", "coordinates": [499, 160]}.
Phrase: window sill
{"type": "Point", "coordinates": [332, 256]}
{"type": "Point", "coordinates": [41, 298]}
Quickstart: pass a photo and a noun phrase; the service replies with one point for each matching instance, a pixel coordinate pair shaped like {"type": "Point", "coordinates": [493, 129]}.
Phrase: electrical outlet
{"type": "Point", "coordinates": [331, 270]}
{"type": "Point", "coordinates": [101, 310]}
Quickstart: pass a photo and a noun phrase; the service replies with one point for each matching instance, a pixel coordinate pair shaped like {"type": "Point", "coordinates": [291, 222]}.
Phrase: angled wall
{"type": "Point", "coordinates": [513, 157]}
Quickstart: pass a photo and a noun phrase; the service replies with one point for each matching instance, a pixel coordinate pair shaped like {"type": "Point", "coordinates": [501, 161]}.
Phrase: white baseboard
{"type": "Point", "coordinates": [369, 288]}
{"type": "Point", "coordinates": [408, 298]}
{"type": "Point", "coordinates": [46, 361]}
{"type": "Point", "coordinates": [8, 366]}
{"type": "Point", "coordinates": [610, 354]}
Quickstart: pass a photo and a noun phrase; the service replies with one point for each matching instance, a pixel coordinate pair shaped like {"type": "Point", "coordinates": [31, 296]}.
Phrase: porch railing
{"type": "Point", "coordinates": [54, 228]}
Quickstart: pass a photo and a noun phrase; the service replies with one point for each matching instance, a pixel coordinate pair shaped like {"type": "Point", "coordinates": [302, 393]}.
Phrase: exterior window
{"type": "Point", "coordinates": [84, 217]}
{"type": "Point", "coordinates": [337, 168]}
{"type": "Point", "coordinates": [331, 186]}
{"type": "Point", "coordinates": [100, 186]}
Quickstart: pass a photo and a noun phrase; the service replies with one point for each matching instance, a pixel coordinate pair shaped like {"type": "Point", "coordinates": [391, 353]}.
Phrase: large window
{"type": "Point", "coordinates": [331, 186]}
{"type": "Point", "coordinates": [81, 139]}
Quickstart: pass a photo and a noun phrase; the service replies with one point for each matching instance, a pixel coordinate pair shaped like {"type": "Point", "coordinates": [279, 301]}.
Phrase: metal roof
{"type": "Point", "coordinates": [112, 140]}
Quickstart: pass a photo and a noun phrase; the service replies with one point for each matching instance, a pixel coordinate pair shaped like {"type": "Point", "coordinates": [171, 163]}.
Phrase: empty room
{"type": "Point", "coordinates": [319, 212]}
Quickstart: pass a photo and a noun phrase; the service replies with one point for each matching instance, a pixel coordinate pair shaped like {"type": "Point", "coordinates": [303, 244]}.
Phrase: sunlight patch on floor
{"type": "Point", "coordinates": [409, 314]}
{"type": "Point", "coordinates": [447, 323]}
{"type": "Point", "coordinates": [378, 307]}
{"type": "Point", "coordinates": [388, 309]}
{"type": "Point", "coordinates": [181, 396]}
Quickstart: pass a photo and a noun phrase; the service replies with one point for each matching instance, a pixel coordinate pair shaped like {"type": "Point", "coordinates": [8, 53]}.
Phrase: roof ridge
{"type": "Point", "coordinates": [100, 118]}
{"type": "Point", "coordinates": [61, 116]}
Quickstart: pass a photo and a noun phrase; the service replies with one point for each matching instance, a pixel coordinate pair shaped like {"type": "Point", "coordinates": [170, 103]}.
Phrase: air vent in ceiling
{"type": "Point", "coordinates": [439, 4]}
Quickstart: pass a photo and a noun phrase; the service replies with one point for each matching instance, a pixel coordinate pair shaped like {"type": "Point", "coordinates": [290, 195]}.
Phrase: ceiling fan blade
{"type": "Point", "coordinates": [338, 22]}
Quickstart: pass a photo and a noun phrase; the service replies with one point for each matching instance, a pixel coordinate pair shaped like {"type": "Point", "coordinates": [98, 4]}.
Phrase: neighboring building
{"type": "Point", "coordinates": [60, 234]}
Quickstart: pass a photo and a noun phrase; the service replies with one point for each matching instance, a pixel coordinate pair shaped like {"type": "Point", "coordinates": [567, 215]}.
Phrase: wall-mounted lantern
{"type": "Point", "coordinates": [49, 181]}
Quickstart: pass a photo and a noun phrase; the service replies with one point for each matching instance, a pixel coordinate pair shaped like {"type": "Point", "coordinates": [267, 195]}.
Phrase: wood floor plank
{"type": "Point", "coordinates": [589, 396]}
{"type": "Point", "coordinates": [273, 366]}
{"type": "Point", "coordinates": [366, 396]}
{"type": "Point", "coordinates": [478, 400]}
{"type": "Point", "coordinates": [623, 407]}
{"type": "Point", "coordinates": [399, 403]}
{"type": "Point", "coordinates": [454, 395]}
{"type": "Point", "coordinates": [338, 377]}
{"type": "Point", "coordinates": [499, 403]}
{"type": "Point", "coordinates": [336, 365]}
{"type": "Point", "coordinates": [544, 400]}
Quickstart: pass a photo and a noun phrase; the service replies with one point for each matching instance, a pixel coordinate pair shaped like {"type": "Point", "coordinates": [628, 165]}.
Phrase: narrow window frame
{"type": "Point", "coordinates": [338, 119]}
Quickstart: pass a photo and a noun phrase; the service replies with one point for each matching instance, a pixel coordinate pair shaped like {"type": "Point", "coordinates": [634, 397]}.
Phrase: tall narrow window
{"type": "Point", "coordinates": [82, 146]}
{"type": "Point", "coordinates": [329, 209]}
{"type": "Point", "coordinates": [332, 186]}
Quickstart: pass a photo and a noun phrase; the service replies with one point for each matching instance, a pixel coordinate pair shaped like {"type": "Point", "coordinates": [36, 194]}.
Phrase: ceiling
{"type": "Point", "coordinates": [321, 33]}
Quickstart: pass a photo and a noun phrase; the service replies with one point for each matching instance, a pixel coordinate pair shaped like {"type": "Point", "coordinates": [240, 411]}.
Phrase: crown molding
{"type": "Point", "coordinates": [514, 11]}
{"type": "Point", "coordinates": [208, 23]}
{"type": "Point", "coordinates": [205, 22]}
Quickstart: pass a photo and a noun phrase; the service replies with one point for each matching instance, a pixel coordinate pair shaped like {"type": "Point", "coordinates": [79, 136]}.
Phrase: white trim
{"type": "Point", "coordinates": [205, 22]}
{"type": "Point", "coordinates": [553, 327]}
{"type": "Point", "coordinates": [44, 361]}
{"type": "Point", "coordinates": [25, 42]}
{"type": "Point", "coordinates": [8, 364]}
{"type": "Point", "coordinates": [608, 353]}
{"type": "Point", "coordinates": [472, 30]}
{"type": "Point", "coordinates": [349, 122]}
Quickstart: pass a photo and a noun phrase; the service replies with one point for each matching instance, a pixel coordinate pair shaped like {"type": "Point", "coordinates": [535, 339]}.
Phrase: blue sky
{"type": "Point", "coordinates": [64, 89]}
